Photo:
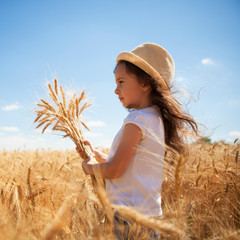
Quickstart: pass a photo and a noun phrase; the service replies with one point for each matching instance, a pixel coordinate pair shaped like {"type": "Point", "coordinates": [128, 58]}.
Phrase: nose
{"type": "Point", "coordinates": [116, 91]}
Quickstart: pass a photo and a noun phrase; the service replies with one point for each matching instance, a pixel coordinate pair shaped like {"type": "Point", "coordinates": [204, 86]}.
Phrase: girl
{"type": "Point", "coordinates": [133, 170]}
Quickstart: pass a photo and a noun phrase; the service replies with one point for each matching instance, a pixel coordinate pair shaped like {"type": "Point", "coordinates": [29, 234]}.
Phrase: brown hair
{"type": "Point", "coordinates": [177, 123]}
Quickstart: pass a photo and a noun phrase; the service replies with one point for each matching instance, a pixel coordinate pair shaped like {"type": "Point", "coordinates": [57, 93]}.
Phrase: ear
{"type": "Point", "coordinates": [146, 87]}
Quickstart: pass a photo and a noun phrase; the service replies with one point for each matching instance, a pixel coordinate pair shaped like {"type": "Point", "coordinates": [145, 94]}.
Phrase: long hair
{"type": "Point", "coordinates": [177, 123]}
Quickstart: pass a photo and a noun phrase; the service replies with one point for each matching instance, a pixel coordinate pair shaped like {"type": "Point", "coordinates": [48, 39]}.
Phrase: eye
{"type": "Point", "coordinates": [120, 81]}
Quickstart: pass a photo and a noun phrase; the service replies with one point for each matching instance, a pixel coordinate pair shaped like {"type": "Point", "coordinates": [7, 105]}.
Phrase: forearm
{"type": "Point", "coordinates": [100, 156]}
{"type": "Point", "coordinates": [104, 170]}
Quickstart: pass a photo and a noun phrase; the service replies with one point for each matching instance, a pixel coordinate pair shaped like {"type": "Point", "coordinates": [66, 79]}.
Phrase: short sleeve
{"type": "Point", "coordinates": [138, 119]}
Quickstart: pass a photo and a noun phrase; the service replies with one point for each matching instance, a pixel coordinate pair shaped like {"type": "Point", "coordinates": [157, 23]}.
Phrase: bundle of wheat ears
{"type": "Point", "coordinates": [66, 118]}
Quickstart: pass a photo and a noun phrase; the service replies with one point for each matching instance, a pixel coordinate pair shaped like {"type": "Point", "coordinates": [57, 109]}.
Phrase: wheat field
{"type": "Point", "coordinates": [46, 195]}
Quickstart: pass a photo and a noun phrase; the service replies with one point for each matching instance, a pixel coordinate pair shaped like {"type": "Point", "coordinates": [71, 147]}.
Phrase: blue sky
{"type": "Point", "coordinates": [78, 42]}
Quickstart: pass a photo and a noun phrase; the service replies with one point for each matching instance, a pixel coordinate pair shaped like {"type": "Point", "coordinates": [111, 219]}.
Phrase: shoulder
{"type": "Point", "coordinates": [135, 116]}
{"type": "Point", "coordinates": [143, 117]}
{"type": "Point", "coordinates": [145, 113]}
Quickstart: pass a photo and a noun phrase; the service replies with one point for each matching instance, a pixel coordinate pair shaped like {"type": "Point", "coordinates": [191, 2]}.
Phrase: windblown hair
{"type": "Point", "coordinates": [178, 124]}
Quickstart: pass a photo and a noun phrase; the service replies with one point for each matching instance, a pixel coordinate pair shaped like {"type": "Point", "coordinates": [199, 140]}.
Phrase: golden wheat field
{"type": "Point", "coordinates": [45, 195]}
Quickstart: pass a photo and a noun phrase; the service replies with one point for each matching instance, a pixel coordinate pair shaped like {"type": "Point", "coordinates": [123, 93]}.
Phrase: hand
{"type": "Point", "coordinates": [87, 165]}
{"type": "Point", "coordinates": [80, 151]}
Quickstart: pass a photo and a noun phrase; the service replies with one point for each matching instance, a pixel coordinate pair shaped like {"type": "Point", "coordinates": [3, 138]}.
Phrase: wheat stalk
{"type": "Point", "coordinates": [29, 186]}
{"type": "Point", "coordinates": [64, 117]}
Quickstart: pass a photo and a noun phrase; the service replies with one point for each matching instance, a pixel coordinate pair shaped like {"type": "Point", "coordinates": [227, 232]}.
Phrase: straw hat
{"type": "Point", "coordinates": [154, 60]}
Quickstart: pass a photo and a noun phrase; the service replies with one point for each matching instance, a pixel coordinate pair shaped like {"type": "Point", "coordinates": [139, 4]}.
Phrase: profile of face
{"type": "Point", "coordinates": [129, 90]}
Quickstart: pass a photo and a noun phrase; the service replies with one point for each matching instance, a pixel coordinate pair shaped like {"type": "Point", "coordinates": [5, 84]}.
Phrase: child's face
{"type": "Point", "coordinates": [129, 90]}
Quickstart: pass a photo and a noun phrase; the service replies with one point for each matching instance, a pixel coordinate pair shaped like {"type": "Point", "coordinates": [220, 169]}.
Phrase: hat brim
{"type": "Point", "coordinates": [139, 62]}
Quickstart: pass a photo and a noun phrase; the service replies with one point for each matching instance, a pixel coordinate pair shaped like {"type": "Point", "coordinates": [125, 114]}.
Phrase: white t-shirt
{"type": "Point", "coordinates": [140, 185]}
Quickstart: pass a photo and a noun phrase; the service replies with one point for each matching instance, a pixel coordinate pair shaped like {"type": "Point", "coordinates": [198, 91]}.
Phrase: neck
{"type": "Point", "coordinates": [145, 103]}
{"type": "Point", "coordinates": [141, 106]}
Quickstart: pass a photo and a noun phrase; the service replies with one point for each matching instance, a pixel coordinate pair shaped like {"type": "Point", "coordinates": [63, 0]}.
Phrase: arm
{"type": "Point", "coordinates": [120, 161]}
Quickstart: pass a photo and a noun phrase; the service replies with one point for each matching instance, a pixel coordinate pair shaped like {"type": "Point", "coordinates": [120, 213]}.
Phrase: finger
{"type": "Point", "coordinates": [80, 152]}
{"type": "Point", "coordinates": [86, 142]}
{"type": "Point", "coordinates": [85, 161]}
